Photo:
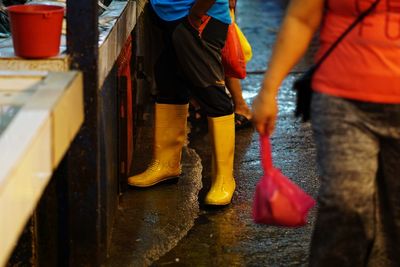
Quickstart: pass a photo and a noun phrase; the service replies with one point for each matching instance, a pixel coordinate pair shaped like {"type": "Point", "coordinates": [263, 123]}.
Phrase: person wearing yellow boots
{"type": "Point", "coordinates": [194, 32]}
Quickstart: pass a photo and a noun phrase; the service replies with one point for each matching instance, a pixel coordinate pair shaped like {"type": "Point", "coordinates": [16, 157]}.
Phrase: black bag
{"type": "Point", "coordinates": [13, 2]}
{"type": "Point", "coordinates": [302, 85]}
{"type": "Point", "coordinates": [4, 18]}
{"type": "Point", "coordinates": [304, 94]}
{"type": "Point", "coordinates": [4, 22]}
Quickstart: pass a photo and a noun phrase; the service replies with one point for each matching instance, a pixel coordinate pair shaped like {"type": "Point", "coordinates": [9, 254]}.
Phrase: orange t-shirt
{"type": "Point", "coordinates": [366, 64]}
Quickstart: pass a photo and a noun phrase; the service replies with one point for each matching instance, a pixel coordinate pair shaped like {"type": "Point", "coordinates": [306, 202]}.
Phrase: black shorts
{"type": "Point", "coordinates": [191, 65]}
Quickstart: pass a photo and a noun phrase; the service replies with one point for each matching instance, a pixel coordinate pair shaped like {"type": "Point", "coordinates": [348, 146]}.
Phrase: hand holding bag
{"type": "Point", "coordinates": [277, 200]}
{"type": "Point", "coordinates": [302, 85]}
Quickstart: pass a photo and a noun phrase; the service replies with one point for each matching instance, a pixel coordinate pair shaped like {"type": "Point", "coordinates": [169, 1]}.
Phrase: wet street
{"type": "Point", "coordinates": [167, 225]}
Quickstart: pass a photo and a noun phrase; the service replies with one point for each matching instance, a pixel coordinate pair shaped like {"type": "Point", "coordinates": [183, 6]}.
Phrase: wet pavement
{"type": "Point", "coordinates": [167, 225]}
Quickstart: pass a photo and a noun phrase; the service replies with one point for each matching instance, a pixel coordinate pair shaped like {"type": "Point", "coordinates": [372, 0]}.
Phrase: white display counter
{"type": "Point", "coordinates": [40, 114]}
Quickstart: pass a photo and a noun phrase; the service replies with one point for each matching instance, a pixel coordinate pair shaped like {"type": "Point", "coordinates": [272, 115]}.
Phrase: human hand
{"type": "Point", "coordinates": [194, 21]}
{"type": "Point", "coordinates": [196, 25]}
{"type": "Point", "coordinates": [265, 111]}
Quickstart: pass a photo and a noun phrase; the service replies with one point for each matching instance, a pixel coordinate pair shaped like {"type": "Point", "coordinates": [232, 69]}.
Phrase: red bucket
{"type": "Point", "coordinates": [36, 30]}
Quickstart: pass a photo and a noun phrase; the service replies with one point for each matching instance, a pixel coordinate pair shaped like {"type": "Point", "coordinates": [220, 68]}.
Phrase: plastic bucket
{"type": "Point", "coordinates": [36, 30]}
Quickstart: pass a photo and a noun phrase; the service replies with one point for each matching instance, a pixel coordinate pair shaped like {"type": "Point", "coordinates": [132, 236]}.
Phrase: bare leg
{"type": "Point", "coordinates": [235, 89]}
{"type": "Point", "coordinates": [197, 114]}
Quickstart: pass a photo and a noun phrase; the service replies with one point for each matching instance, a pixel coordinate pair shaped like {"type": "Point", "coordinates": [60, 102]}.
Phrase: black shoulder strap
{"type": "Point", "coordinates": [352, 25]}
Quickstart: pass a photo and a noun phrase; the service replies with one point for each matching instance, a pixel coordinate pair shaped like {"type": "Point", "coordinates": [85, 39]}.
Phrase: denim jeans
{"type": "Point", "coordinates": [358, 156]}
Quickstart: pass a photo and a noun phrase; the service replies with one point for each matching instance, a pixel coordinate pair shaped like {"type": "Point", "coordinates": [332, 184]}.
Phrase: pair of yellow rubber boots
{"type": "Point", "coordinates": [169, 138]}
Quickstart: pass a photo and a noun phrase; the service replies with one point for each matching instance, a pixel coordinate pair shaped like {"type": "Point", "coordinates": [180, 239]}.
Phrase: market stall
{"type": "Point", "coordinates": [99, 45]}
{"type": "Point", "coordinates": [40, 114]}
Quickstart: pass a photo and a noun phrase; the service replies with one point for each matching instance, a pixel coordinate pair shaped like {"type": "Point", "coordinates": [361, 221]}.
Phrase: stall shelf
{"type": "Point", "coordinates": [40, 114]}
{"type": "Point", "coordinates": [115, 25]}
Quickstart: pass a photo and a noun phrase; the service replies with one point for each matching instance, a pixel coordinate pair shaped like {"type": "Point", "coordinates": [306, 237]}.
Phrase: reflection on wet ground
{"type": "Point", "coordinates": [168, 226]}
{"type": "Point", "coordinates": [228, 236]}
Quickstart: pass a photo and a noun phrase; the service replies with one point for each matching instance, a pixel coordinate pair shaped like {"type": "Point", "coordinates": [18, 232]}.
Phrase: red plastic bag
{"type": "Point", "coordinates": [277, 200]}
{"type": "Point", "coordinates": [233, 58]}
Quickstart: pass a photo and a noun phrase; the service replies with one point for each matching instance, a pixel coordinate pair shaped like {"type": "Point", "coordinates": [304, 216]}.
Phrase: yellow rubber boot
{"type": "Point", "coordinates": [169, 138]}
{"type": "Point", "coordinates": [222, 131]}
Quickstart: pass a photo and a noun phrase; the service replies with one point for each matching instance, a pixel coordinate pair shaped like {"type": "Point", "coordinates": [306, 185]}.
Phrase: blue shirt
{"type": "Point", "coordinates": [170, 10]}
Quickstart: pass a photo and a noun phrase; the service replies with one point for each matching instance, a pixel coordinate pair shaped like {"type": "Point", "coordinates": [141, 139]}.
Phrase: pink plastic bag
{"type": "Point", "coordinates": [277, 200]}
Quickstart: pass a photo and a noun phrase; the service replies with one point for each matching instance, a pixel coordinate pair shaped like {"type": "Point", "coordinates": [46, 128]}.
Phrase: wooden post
{"type": "Point", "coordinates": [69, 217]}
{"type": "Point", "coordinates": [85, 231]}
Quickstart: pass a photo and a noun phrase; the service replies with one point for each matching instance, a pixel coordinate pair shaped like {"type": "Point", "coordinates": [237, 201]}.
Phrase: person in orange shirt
{"type": "Point", "coordinates": [355, 116]}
